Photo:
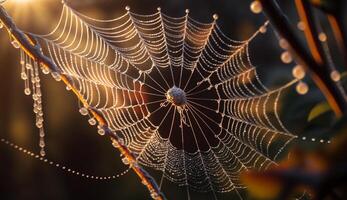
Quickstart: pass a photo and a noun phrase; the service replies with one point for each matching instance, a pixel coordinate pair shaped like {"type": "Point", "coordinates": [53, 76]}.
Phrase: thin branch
{"type": "Point", "coordinates": [33, 50]}
{"type": "Point", "coordinates": [311, 33]}
{"type": "Point", "coordinates": [317, 71]}
{"type": "Point", "coordinates": [336, 24]}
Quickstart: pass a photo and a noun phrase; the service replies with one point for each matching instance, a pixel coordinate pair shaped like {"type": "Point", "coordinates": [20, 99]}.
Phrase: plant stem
{"type": "Point", "coordinates": [336, 24]}
{"type": "Point", "coordinates": [33, 50]}
{"type": "Point", "coordinates": [332, 93]}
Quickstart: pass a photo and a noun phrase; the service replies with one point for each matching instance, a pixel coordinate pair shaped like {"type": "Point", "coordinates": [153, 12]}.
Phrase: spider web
{"type": "Point", "coordinates": [124, 67]}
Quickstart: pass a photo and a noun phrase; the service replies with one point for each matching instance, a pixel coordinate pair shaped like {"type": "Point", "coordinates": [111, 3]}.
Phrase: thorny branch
{"type": "Point", "coordinates": [33, 50]}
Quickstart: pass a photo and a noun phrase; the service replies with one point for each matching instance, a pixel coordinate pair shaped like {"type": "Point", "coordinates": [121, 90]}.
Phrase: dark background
{"type": "Point", "coordinates": [72, 142]}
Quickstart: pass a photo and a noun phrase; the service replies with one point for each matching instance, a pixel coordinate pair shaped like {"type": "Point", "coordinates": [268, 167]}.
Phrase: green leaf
{"type": "Point", "coordinates": [318, 110]}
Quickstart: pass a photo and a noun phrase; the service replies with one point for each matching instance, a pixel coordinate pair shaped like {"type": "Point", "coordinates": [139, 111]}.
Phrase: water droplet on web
{"type": "Point", "coordinates": [28, 66]}
{"type": "Point", "coordinates": [45, 70]}
{"type": "Point", "coordinates": [154, 195]}
{"type": "Point", "coordinates": [15, 44]}
{"type": "Point", "coordinates": [92, 121]}
{"type": "Point", "coordinates": [27, 91]}
{"type": "Point", "coordinates": [23, 76]}
{"type": "Point", "coordinates": [84, 111]}
{"type": "Point", "coordinates": [125, 160]}
{"type": "Point", "coordinates": [56, 76]}
{"type": "Point", "coordinates": [263, 29]}
{"type": "Point", "coordinates": [1, 25]}
{"type": "Point", "coordinates": [42, 153]}
{"type": "Point", "coordinates": [101, 131]}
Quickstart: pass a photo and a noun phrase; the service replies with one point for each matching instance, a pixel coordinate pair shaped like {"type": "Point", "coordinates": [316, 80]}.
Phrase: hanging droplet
{"type": "Point", "coordinates": [15, 44]}
{"type": "Point", "coordinates": [45, 70]}
{"type": "Point", "coordinates": [101, 131]}
{"type": "Point", "coordinates": [68, 88]}
{"type": "Point", "coordinates": [302, 88]}
{"type": "Point", "coordinates": [335, 75]}
{"type": "Point", "coordinates": [263, 29]}
{"type": "Point", "coordinates": [127, 8]}
{"type": "Point", "coordinates": [154, 195]}
{"type": "Point", "coordinates": [27, 91]}
{"type": "Point", "coordinates": [1, 25]}
{"type": "Point", "coordinates": [84, 111]}
{"type": "Point", "coordinates": [42, 143]}
{"type": "Point", "coordinates": [23, 76]}
{"type": "Point", "coordinates": [322, 37]}
{"type": "Point", "coordinates": [42, 153]}
{"type": "Point", "coordinates": [56, 76]}
{"type": "Point", "coordinates": [125, 160]}
{"type": "Point", "coordinates": [39, 124]}
{"type": "Point", "coordinates": [35, 97]}
{"type": "Point", "coordinates": [298, 72]}
{"type": "Point", "coordinates": [286, 57]}
{"type": "Point", "coordinates": [28, 66]}
{"type": "Point", "coordinates": [256, 7]}
{"type": "Point", "coordinates": [301, 26]}
{"type": "Point", "coordinates": [215, 16]}
{"type": "Point", "coordinates": [92, 121]}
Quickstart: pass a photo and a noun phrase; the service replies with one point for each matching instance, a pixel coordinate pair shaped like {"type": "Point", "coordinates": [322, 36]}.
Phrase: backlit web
{"type": "Point", "coordinates": [182, 95]}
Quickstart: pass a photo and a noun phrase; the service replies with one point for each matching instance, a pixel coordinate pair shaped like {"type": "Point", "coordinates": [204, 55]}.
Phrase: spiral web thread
{"type": "Point", "coordinates": [124, 66]}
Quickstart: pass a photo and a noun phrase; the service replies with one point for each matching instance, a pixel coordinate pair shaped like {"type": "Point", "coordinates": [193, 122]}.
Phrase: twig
{"type": "Point", "coordinates": [32, 49]}
{"type": "Point", "coordinates": [317, 71]}
{"type": "Point", "coordinates": [336, 24]}
{"type": "Point", "coordinates": [311, 33]}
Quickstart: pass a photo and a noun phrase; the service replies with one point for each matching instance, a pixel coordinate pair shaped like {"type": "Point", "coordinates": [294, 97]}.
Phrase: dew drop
{"type": "Point", "coordinates": [256, 7]}
{"type": "Point", "coordinates": [92, 121]}
{"type": "Point", "coordinates": [83, 111]}
{"type": "Point", "coordinates": [286, 57]}
{"type": "Point", "coordinates": [154, 195]}
{"type": "Point", "coordinates": [42, 153]}
{"type": "Point", "coordinates": [45, 70]}
{"type": "Point", "coordinates": [298, 72]}
{"type": "Point", "coordinates": [39, 124]}
{"type": "Point", "coordinates": [23, 76]}
{"type": "Point", "coordinates": [56, 76]}
{"type": "Point", "coordinates": [15, 44]}
{"type": "Point", "coordinates": [27, 91]}
{"type": "Point", "coordinates": [1, 25]}
{"type": "Point", "coordinates": [215, 16]}
{"type": "Point", "coordinates": [302, 88]}
{"type": "Point", "coordinates": [263, 29]}
{"type": "Point", "coordinates": [335, 75]}
{"type": "Point", "coordinates": [28, 66]}
{"type": "Point", "coordinates": [301, 26]}
{"type": "Point", "coordinates": [101, 132]}
{"type": "Point", "coordinates": [42, 144]}
{"type": "Point", "coordinates": [125, 160]}
{"type": "Point", "coordinates": [322, 37]}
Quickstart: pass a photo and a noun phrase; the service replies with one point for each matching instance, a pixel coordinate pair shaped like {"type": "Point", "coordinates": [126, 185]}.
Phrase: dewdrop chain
{"type": "Point", "coordinates": [60, 166]}
{"type": "Point", "coordinates": [33, 50]}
